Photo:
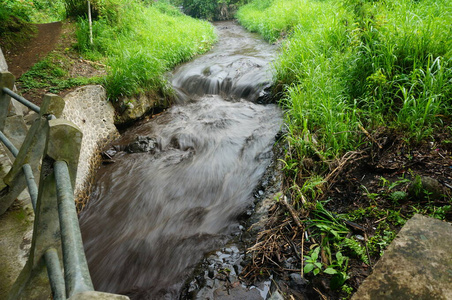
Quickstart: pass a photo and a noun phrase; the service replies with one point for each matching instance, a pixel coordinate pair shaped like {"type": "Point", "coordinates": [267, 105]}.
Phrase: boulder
{"type": "Point", "coordinates": [142, 144]}
{"type": "Point", "coordinates": [417, 264]}
{"type": "Point", "coordinates": [137, 107]}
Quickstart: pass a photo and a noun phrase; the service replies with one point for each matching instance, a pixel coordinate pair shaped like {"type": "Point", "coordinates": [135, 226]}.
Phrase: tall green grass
{"type": "Point", "coordinates": [141, 42]}
{"type": "Point", "coordinates": [352, 65]}
{"type": "Point", "coordinates": [356, 62]}
{"type": "Point", "coordinates": [271, 18]}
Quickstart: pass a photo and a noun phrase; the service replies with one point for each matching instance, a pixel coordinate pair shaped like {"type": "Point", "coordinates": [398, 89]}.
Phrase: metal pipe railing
{"type": "Point", "coordinates": [76, 271]}
{"type": "Point", "coordinates": [31, 183]}
{"type": "Point", "coordinates": [22, 100]}
{"type": "Point", "coordinates": [28, 172]}
{"type": "Point", "coordinates": [8, 144]}
{"type": "Point", "coordinates": [55, 275]}
{"type": "Point", "coordinates": [49, 221]}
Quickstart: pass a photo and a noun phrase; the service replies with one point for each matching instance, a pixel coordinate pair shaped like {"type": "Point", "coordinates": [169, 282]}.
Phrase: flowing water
{"type": "Point", "coordinates": [156, 211]}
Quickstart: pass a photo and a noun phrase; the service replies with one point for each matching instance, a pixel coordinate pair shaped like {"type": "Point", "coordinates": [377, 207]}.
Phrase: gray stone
{"type": "Point", "coordinates": [417, 264]}
{"type": "Point", "coordinates": [5, 165]}
{"type": "Point", "coordinates": [297, 281]}
{"type": "Point", "coordinates": [142, 144]}
{"type": "Point", "coordinates": [16, 108]}
{"type": "Point", "coordinates": [138, 106]}
{"type": "Point", "coordinates": [237, 293]}
{"type": "Point", "coordinates": [3, 64]}
{"type": "Point", "coordinates": [30, 118]}
{"type": "Point", "coordinates": [426, 187]}
{"type": "Point", "coordinates": [88, 108]}
{"type": "Point", "coordinates": [15, 225]}
{"type": "Point", "coordinates": [276, 296]}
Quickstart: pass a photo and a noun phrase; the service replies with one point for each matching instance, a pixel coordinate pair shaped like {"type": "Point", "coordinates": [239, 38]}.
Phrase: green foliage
{"type": "Point", "coordinates": [14, 18]}
{"type": "Point", "coordinates": [76, 8]}
{"type": "Point", "coordinates": [356, 249]}
{"type": "Point", "coordinates": [46, 11]}
{"type": "Point", "coordinates": [339, 271]}
{"type": "Point", "coordinates": [142, 42]}
{"type": "Point", "coordinates": [351, 63]}
{"type": "Point", "coordinates": [272, 18]}
{"type": "Point", "coordinates": [332, 232]}
{"type": "Point", "coordinates": [311, 262]}
{"type": "Point", "coordinates": [206, 9]}
{"type": "Point", "coordinates": [19, 9]}
{"type": "Point", "coordinates": [50, 75]}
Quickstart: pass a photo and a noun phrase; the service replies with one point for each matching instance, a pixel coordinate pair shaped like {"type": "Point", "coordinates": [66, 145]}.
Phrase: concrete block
{"type": "Point", "coordinates": [417, 264]}
{"type": "Point", "coordinates": [15, 130]}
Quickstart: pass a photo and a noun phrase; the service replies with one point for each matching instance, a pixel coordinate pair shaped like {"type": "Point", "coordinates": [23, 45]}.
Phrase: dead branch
{"type": "Point", "coordinates": [348, 157]}
{"type": "Point", "coordinates": [292, 212]}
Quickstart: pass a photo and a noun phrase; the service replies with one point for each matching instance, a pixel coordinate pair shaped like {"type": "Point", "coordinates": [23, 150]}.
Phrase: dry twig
{"type": "Point", "coordinates": [370, 136]}
{"type": "Point", "coordinates": [292, 211]}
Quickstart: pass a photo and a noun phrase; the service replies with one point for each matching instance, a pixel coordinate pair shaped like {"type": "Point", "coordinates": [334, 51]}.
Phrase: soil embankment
{"type": "Point", "coordinates": [23, 57]}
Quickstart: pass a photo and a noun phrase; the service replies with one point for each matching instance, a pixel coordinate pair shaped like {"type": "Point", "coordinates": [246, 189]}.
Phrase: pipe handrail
{"type": "Point", "coordinates": [76, 271]}
{"type": "Point", "coordinates": [28, 172]}
{"type": "Point", "coordinates": [22, 100]}
{"type": "Point", "coordinates": [76, 278]}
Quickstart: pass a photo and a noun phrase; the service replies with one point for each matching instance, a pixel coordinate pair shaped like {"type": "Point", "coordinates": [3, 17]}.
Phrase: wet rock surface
{"type": "Point", "coordinates": [142, 144]}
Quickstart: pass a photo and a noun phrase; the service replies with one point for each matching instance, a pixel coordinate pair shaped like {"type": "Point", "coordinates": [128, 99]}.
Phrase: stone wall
{"type": "Point", "coordinates": [89, 109]}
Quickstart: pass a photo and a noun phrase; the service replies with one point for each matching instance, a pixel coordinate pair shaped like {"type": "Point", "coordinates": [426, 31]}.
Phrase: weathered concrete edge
{"type": "Point", "coordinates": [417, 264]}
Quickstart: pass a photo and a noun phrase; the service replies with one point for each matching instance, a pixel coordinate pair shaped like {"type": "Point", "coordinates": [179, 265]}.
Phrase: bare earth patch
{"type": "Point", "coordinates": [57, 40]}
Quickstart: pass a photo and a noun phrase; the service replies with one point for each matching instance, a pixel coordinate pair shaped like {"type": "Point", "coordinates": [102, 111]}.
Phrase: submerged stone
{"type": "Point", "coordinates": [142, 144]}
{"type": "Point", "coordinates": [417, 264]}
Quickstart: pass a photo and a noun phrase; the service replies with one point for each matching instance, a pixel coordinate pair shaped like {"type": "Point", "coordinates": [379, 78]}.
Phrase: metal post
{"type": "Point", "coordinates": [90, 23]}
{"type": "Point", "coordinates": [62, 142]}
{"type": "Point", "coordinates": [21, 99]}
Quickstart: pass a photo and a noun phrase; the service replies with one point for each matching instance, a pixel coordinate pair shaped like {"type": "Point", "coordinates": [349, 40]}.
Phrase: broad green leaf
{"type": "Point", "coordinates": [308, 268]}
{"type": "Point", "coordinates": [330, 271]}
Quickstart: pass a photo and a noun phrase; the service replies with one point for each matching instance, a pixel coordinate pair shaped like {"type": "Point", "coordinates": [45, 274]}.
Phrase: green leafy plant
{"type": "Point", "coordinates": [311, 262]}
{"type": "Point", "coordinates": [356, 248]}
{"type": "Point", "coordinates": [51, 75]}
{"type": "Point", "coordinates": [339, 271]}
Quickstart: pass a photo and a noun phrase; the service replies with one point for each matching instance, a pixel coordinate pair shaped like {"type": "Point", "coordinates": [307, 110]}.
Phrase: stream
{"type": "Point", "coordinates": [181, 180]}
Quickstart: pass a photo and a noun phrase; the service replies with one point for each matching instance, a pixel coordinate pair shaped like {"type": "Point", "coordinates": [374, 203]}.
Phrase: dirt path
{"type": "Point", "coordinates": [38, 47]}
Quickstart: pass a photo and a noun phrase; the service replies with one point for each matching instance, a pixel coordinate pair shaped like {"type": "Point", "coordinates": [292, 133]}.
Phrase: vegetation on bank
{"type": "Point", "coordinates": [137, 41]}
{"type": "Point", "coordinates": [212, 10]}
{"type": "Point", "coordinates": [348, 68]}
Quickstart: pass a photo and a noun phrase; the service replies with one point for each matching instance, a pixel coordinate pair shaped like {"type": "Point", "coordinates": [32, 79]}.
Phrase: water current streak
{"type": "Point", "coordinates": [153, 215]}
